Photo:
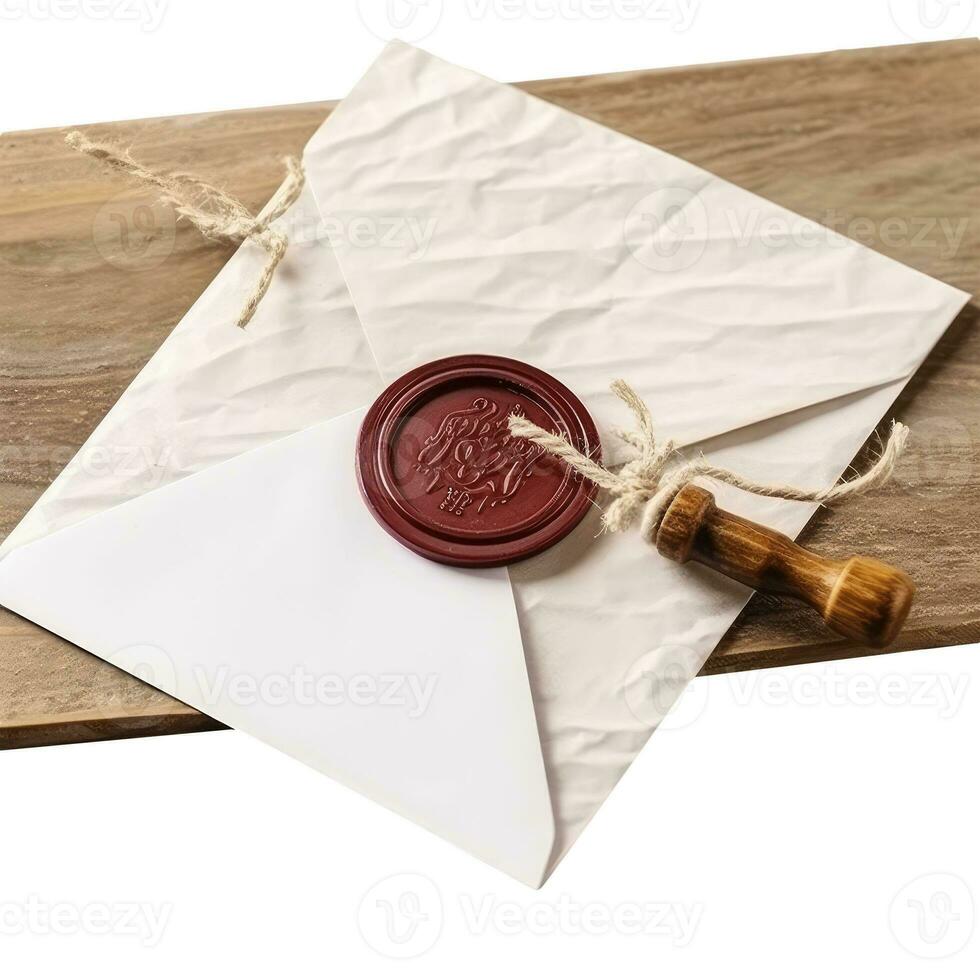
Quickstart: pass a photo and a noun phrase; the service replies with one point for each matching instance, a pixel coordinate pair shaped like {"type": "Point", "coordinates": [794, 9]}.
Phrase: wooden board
{"type": "Point", "coordinates": [882, 144]}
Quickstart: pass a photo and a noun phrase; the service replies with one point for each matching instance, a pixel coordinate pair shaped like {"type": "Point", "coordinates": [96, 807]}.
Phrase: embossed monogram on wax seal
{"type": "Point", "coordinates": [435, 456]}
{"type": "Point", "coordinates": [473, 455]}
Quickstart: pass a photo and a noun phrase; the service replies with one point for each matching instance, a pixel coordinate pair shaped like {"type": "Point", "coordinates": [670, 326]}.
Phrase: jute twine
{"type": "Point", "coordinates": [646, 486]}
{"type": "Point", "coordinates": [215, 213]}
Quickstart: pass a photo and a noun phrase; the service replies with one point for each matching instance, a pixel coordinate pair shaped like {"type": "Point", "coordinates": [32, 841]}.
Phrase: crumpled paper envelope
{"type": "Point", "coordinates": [774, 343]}
{"type": "Point", "coordinates": [470, 217]}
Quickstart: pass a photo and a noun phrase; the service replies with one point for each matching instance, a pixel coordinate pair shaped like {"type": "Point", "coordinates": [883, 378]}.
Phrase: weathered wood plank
{"type": "Point", "coordinates": [882, 144]}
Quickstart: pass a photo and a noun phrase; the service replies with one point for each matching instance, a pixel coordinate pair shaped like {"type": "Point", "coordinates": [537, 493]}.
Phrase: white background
{"type": "Point", "coordinates": [800, 822]}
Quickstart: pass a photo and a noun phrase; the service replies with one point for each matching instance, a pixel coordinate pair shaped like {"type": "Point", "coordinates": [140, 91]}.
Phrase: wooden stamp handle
{"type": "Point", "coordinates": [860, 598]}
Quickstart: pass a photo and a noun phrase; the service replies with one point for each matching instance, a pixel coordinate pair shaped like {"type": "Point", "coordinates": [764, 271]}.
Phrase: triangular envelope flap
{"type": "Point", "coordinates": [471, 216]}
{"type": "Point", "coordinates": [262, 592]}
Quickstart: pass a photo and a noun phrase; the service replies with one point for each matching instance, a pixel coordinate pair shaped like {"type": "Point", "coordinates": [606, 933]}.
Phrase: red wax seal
{"type": "Point", "coordinates": [441, 472]}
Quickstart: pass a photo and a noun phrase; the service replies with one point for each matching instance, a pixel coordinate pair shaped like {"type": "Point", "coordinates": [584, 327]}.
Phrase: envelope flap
{"type": "Point", "coordinates": [261, 592]}
{"type": "Point", "coordinates": [472, 217]}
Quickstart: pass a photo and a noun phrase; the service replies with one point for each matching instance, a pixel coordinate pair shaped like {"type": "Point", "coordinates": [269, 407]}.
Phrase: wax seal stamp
{"type": "Point", "coordinates": [442, 473]}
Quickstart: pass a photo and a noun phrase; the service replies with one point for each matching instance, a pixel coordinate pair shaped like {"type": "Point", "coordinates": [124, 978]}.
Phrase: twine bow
{"type": "Point", "coordinates": [216, 214]}
{"type": "Point", "coordinates": [646, 486]}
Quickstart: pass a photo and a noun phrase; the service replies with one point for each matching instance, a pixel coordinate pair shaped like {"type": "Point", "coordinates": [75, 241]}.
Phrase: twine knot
{"type": "Point", "coordinates": [215, 213]}
{"type": "Point", "coordinates": [646, 486]}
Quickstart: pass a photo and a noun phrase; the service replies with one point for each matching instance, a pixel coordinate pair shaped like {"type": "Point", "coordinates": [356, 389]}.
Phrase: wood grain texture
{"type": "Point", "coordinates": [859, 597]}
{"type": "Point", "coordinates": [881, 144]}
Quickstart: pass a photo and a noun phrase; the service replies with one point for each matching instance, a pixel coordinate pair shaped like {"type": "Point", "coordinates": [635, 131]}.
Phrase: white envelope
{"type": "Point", "coordinates": [468, 217]}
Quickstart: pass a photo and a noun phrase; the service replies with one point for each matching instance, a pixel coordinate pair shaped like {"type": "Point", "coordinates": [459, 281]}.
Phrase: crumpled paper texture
{"type": "Point", "coordinates": [557, 241]}
{"type": "Point", "coordinates": [470, 217]}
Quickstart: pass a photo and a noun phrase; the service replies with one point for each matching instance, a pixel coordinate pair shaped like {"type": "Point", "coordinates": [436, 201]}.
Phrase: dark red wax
{"type": "Point", "coordinates": [441, 472]}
